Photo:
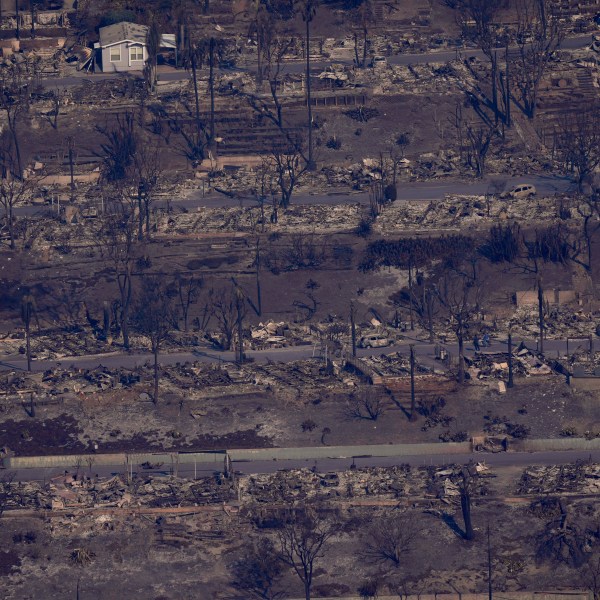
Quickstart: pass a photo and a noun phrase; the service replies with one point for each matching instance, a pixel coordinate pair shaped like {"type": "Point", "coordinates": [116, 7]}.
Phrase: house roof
{"type": "Point", "coordinates": [124, 31]}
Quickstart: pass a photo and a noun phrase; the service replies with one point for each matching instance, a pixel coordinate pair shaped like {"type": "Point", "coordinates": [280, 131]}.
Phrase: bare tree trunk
{"type": "Point", "coordinates": [140, 214]}
{"type": "Point", "coordinates": [11, 226]}
{"type": "Point", "coordinates": [106, 319]}
{"type": "Point", "coordinates": [430, 316]}
{"type": "Point", "coordinates": [196, 96]}
{"type": "Point", "coordinates": [70, 142]}
{"type": "Point", "coordinates": [240, 331]}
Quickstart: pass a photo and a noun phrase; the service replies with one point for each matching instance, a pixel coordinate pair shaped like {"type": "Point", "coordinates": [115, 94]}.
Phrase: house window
{"type": "Point", "coordinates": [136, 53]}
{"type": "Point", "coordinates": [115, 54]}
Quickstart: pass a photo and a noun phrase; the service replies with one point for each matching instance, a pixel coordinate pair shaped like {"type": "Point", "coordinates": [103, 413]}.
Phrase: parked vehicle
{"type": "Point", "coordinates": [523, 190]}
{"type": "Point", "coordinates": [378, 62]}
{"type": "Point", "coordinates": [374, 341]}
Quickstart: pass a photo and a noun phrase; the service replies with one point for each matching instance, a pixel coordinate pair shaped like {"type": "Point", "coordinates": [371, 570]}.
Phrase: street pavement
{"type": "Point", "coordinates": [130, 360]}
{"type": "Point", "coordinates": [440, 56]}
{"type": "Point", "coordinates": [498, 460]}
{"type": "Point", "coordinates": [424, 191]}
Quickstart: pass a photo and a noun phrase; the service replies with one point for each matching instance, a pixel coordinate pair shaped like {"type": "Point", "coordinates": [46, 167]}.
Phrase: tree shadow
{"type": "Point", "coordinates": [450, 521]}
{"type": "Point", "coordinates": [405, 411]}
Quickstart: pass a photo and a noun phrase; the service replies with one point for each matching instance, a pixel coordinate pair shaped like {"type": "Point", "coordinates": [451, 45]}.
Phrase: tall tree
{"type": "Point", "coordinates": [152, 48]}
{"type": "Point", "coordinates": [118, 245]}
{"type": "Point", "coordinates": [308, 10]}
{"type": "Point", "coordinates": [153, 317]}
{"type": "Point", "coordinates": [539, 34]}
{"type": "Point", "coordinates": [258, 571]}
{"type": "Point", "coordinates": [301, 542]}
{"type": "Point", "coordinates": [361, 18]}
{"type": "Point", "coordinates": [577, 141]}
{"type": "Point", "coordinates": [28, 311]}
{"type": "Point", "coordinates": [460, 294]}
{"type": "Point", "coordinates": [14, 187]}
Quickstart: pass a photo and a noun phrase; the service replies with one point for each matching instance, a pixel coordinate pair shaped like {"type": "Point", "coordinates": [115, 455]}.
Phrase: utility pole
{"type": "Point", "coordinates": [489, 557]}
{"type": "Point", "coordinates": [540, 291]}
{"type": "Point", "coordinates": [257, 265]}
{"type": "Point", "coordinates": [309, 10]}
{"type": "Point", "coordinates": [510, 362]}
{"type": "Point", "coordinates": [71, 147]}
{"type": "Point", "coordinates": [429, 298]}
{"type": "Point", "coordinates": [353, 328]}
{"type": "Point", "coordinates": [140, 197]}
{"type": "Point", "coordinates": [412, 382]}
{"type": "Point", "coordinates": [17, 17]}
{"type": "Point", "coordinates": [211, 84]}
{"type": "Point", "coordinates": [410, 294]}
{"type": "Point", "coordinates": [239, 300]}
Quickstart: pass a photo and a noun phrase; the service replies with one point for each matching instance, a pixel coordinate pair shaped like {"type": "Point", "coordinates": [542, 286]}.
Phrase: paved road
{"type": "Point", "coordinates": [442, 56]}
{"type": "Point", "coordinates": [425, 191]}
{"type": "Point", "coordinates": [502, 459]}
{"type": "Point", "coordinates": [131, 360]}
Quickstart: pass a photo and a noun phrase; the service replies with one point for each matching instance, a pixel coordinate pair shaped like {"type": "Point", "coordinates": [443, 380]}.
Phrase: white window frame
{"type": "Point", "coordinates": [110, 53]}
{"type": "Point", "coordinates": [136, 48]}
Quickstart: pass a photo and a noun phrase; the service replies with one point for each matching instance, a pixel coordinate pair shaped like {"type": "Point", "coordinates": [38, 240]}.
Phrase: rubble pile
{"type": "Point", "coordinates": [560, 322]}
{"type": "Point", "coordinates": [80, 491]}
{"type": "Point", "coordinates": [381, 482]}
{"type": "Point", "coordinates": [581, 363]}
{"type": "Point", "coordinates": [494, 365]}
{"type": "Point", "coordinates": [579, 477]}
{"type": "Point", "coordinates": [464, 211]}
{"type": "Point", "coordinates": [394, 365]}
{"type": "Point", "coordinates": [254, 219]}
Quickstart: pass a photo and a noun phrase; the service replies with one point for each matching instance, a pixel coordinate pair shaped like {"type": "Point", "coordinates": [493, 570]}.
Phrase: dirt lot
{"type": "Point", "coordinates": [283, 405]}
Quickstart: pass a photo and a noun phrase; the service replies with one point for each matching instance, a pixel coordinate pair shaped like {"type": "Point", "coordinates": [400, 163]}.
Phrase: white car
{"type": "Point", "coordinates": [374, 341]}
{"type": "Point", "coordinates": [523, 190]}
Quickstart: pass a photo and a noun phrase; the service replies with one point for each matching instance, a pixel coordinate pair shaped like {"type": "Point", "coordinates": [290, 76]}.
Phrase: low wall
{"type": "Point", "coordinates": [300, 453]}
{"type": "Point", "coordinates": [266, 454]}
{"type": "Point", "coordinates": [580, 595]}
{"type": "Point", "coordinates": [557, 444]}
{"type": "Point", "coordinates": [66, 179]}
{"type": "Point", "coordinates": [588, 384]}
